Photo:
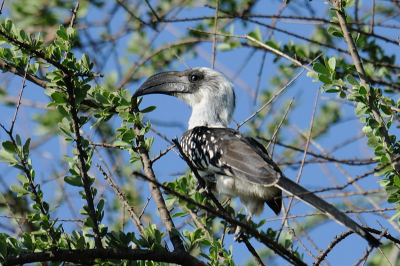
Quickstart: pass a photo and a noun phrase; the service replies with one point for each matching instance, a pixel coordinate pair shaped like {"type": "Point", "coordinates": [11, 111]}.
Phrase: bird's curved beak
{"type": "Point", "coordinates": [170, 83]}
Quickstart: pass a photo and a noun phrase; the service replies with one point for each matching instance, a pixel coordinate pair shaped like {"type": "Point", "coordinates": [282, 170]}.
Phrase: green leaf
{"type": "Point", "coordinates": [75, 181]}
{"type": "Point", "coordinates": [373, 142]}
{"type": "Point", "coordinates": [148, 109]}
{"type": "Point", "coordinates": [324, 79]}
{"type": "Point", "coordinates": [385, 158]}
{"type": "Point", "coordinates": [361, 109]}
{"type": "Point", "coordinates": [224, 47]}
{"type": "Point", "coordinates": [62, 34]}
{"type": "Point", "coordinates": [352, 81]}
{"type": "Point", "coordinates": [9, 146]}
{"type": "Point", "coordinates": [373, 123]}
{"type": "Point", "coordinates": [7, 157]}
{"type": "Point", "coordinates": [273, 44]}
{"type": "Point", "coordinates": [332, 90]}
{"type": "Point", "coordinates": [256, 34]}
{"type": "Point", "coordinates": [59, 98]}
{"type": "Point", "coordinates": [335, 32]}
{"type": "Point", "coordinates": [100, 98]}
{"type": "Point", "coordinates": [100, 205]}
{"type": "Point", "coordinates": [394, 216]}
{"type": "Point", "coordinates": [320, 68]}
{"type": "Point", "coordinates": [180, 214]}
{"type": "Point", "coordinates": [385, 110]}
{"type": "Point", "coordinates": [19, 189]}
{"type": "Point", "coordinates": [86, 62]}
{"type": "Point", "coordinates": [25, 149]}
{"type": "Point", "coordinates": [312, 75]}
{"type": "Point", "coordinates": [366, 129]}
{"type": "Point", "coordinates": [348, 3]}
{"type": "Point", "coordinates": [41, 231]}
{"type": "Point", "coordinates": [362, 91]}
{"type": "Point", "coordinates": [22, 178]}
{"type": "Point", "coordinates": [89, 222]}
{"type": "Point", "coordinates": [120, 143]}
{"type": "Point", "coordinates": [332, 63]}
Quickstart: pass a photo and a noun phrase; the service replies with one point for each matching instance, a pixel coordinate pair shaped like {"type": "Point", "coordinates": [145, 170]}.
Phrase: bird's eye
{"type": "Point", "coordinates": [194, 78]}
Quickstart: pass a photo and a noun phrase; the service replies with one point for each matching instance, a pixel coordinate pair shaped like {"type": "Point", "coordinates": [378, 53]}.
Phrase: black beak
{"type": "Point", "coordinates": [170, 83]}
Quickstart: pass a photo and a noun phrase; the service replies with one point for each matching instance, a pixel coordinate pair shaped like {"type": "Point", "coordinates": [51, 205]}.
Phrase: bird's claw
{"type": "Point", "coordinates": [238, 234]}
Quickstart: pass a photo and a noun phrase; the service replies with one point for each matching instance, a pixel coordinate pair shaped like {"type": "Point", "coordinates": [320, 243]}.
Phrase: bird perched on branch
{"type": "Point", "coordinates": [232, 163]}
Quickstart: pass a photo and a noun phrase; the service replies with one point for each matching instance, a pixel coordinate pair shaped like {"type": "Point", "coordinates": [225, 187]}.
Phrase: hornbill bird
{"type": "Point", "coordinates": [232, 163]}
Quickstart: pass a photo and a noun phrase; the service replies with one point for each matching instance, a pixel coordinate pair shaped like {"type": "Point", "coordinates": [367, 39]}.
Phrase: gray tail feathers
{"type": "Point", "coordinates": [311, 199]}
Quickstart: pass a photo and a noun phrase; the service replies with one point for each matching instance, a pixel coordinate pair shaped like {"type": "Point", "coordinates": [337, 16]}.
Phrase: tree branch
{"type": "Point", "coordinates": [89, 256]}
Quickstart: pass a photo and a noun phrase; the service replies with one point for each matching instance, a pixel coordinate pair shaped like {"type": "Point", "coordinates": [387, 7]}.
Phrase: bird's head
{"type": "Point", "coordinates": [208, 92]}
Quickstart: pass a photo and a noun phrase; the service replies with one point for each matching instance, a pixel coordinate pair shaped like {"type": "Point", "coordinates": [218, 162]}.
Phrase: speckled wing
{"type": "Point", "coordinates": [230, 152]}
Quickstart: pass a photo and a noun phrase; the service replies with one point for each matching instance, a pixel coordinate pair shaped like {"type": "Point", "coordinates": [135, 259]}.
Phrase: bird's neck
{"type": "Point", "coordinates": [210, 115]}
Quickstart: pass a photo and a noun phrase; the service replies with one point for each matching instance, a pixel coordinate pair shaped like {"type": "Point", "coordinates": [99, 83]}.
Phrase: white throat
{"type": "Point", "coordinates": [212, 103]}
{"type": "Point", "coordinates": [207, 115]}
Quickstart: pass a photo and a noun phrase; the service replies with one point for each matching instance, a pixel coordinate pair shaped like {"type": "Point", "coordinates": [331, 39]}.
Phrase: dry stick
{"type": "Point", "coordinates": [88, 256]}
{"type": "Point", "coordinates": [162, 153]}
{"type": "Point", "coordinates": [363, 77]}
{"type": "Point", "coordinates": [241, 67]}
{"type": "Point", "coordinates": [120, 194]}
{"type": "Point", "coordinates": [279, 92]}
{"type": "Point", "coordinates": [270, 100]}
{"type": "Point", "coordinates": [215, 36]}
{"type": "Point", "coordinates": [276, 247]}
{"type": "Point", "coordinates": [159, 31]}
{"type": "Point", "coordinates": [369, 250]}
{"type": "Point", "coordinates": [277, 129]}
{"type": "Point", "coordinates": [304, 158]}
{"type": "Point", "coordinates": [1, 7]}
{"type": "Point", "coordinates": [144, 207]}
{"type": "Point", "coordinates": [253, 251]}
{"type": "Point", "coordinates": [12, 214]}
{"type": "Point", "coordinates": [263, 45]}
{"type": "Point", "coordinates": [336, 241]}
{"type": "Point", "coordinates": [326, 158]}
{"type": "Point", "coordinates": [19, 98]}
{"type": "Point", "coordinates": [371, 30]}
{"type": "Point", "coordinates": [292, 232]}
{"type": "Point", "coordinates": [353, 193]}
{"type": "Point", "coordinates": [153, 11]}
{"type": "Point", "coordinates": [312, 243]}
{"type": "Point", "coordinates": [155, 190]}
{"type": "Point", "coordinates": [320, 213]}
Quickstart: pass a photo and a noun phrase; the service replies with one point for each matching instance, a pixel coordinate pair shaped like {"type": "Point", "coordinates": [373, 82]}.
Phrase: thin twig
{"type": "Point", "coordinates": [336, 241]}
{"type": "Point", "coordinates": [19, 97]}
{"type": "Point", "coordinates": [1, 7]}
{"type": "Point", "coordinates": [277, 129]}
{"type": "Point", "coordinates": [155, 190]}
{"type": "Point", "coordinates": [124, 200]}
{"type": "Point", "coordinates": [263, 45]}
{"type": "Point", "coordinates": [215, 36]}
{"type": "Point", "coordinates": [302, 162]}
{"type": "Point", "coordinates": [270, 100]}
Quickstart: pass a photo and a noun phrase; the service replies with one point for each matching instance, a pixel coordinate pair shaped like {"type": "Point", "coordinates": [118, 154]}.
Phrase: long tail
{"type": "Point", "coordinates": [310, 198]}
